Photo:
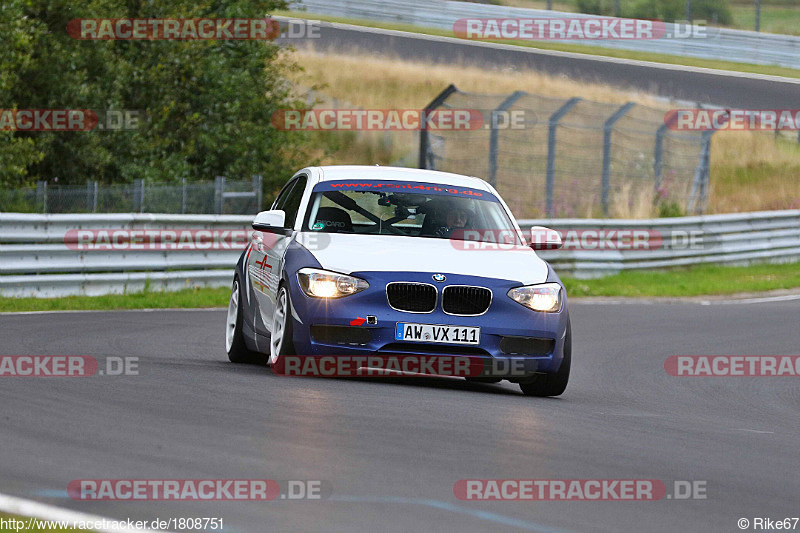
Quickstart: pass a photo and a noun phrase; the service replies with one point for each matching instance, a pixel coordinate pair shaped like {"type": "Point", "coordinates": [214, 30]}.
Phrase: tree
{"type": "Point", "coordinates": [207, 104]}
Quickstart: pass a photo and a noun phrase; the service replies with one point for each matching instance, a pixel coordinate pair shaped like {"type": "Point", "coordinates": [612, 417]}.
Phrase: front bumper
{"type": "Point", "coordinates": [505, 318]}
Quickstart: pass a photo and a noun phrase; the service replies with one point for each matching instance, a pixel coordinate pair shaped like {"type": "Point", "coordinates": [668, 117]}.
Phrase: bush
{"type": "Point", "coordinates": [718, 11]}
{"type": "Point", "coordinates": [596, 7]}
{"type": "Point", "coordinates": [670, 209]}
{"type": "Point", "coordinates": [667, 10]}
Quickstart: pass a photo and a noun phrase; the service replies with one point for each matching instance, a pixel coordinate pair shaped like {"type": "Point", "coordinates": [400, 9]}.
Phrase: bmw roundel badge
{"type": "Point", "coordinates": [439, 277]}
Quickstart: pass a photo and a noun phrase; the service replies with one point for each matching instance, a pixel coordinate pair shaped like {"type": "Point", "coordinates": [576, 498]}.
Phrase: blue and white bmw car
{"type": "Point", "coordinates": [357, 260]}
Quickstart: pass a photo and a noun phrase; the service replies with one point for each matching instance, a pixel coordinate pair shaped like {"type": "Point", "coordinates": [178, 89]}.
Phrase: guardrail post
{"type": "Point", "coordinates": [258, 181]}
{"type": "Point", "coordinates": [41, 195]}
{"type": "Point", "coordinates": [493, 137]}
{"type": "Point", "coordinates": [552, 125]}
{"type": "Point", "coordinates": [608, 128]}
{"type": "Point", "coordinates": [219, 191]}
{"type": "Point", "coordinates": [658, 156]}
{"type": "Point", "coordinates": [138, 196]}
{"type": "Point", "coordinates": [424, 142]}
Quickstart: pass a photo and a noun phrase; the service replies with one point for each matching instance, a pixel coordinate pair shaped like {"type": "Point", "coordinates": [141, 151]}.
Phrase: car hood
{"type": "Point", "coordinates": [347, 253]}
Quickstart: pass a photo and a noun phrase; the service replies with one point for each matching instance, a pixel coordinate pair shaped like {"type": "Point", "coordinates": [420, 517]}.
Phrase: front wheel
{"type": "Point", "coordinates": [234, 337]}
{"type": "Point", "coordinates": [280, 342]}
{"type": "Point", "coordinates": [552, 384]}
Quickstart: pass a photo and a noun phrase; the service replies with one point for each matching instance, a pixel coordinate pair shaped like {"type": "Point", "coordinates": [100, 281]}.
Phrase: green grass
{"type": "Point", "coordinates": [705, 280]}
{"type": "Point", "coordinates": [189, 298]}
{"type": "Point", "coordinates": [5, 516]}
{"type": "Point", "coordinates": [564, 47]}
{"type": "Point", "coordinates": [774, 19]}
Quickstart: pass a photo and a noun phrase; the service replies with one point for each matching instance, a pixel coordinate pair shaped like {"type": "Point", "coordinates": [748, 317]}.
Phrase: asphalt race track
{"type": "Point", "coordinates": [393, 448]}
{"type": "Point", "coordinates": [741, 91]}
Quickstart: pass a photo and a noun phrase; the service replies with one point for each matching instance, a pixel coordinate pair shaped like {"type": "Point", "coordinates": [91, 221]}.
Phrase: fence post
{"type": "Point", "coordinates": [94, 197]}
{"type": "Point", "coordinates": [552, 124]}
{"type": "Point", "coordinates": [257, 189]}
{"type": "Point", "coordinates": [41, 194]}
{"type": "Point", "coordinates": [706, 173]}
{"type": "Point", "coordinates": [424, 144]}
{"type": "Point", "coordinates": [138, 196]}
{"type": "Point", "coordinates": [658, 157]}
{"type": "Point", "coordinates": [493, 136]}
{"type": "Point", "coordinates": [608, 128]}
{"type": "Point", "coordinates": [183, 196]}
{"type": "Point", "coordinates": [219, 190]}
{"type": "Point", "coordinates": [699, 192]}
{"type": "Point", "coordinates": [758, 15]}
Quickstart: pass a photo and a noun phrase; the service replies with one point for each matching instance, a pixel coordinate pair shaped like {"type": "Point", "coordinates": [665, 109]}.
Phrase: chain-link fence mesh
{"type": "Point", "coordinates": [573, 158]}
{"type": "Point", "coordinates": [220, 196]}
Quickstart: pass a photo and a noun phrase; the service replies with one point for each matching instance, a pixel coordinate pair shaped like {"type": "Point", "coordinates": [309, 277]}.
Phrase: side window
{"type": "Point", "coordinates": [281, 200]}
{"type": "Point", "coordinates": [293, 199]}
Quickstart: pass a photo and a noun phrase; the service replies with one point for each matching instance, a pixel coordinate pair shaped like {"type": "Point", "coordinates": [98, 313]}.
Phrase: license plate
{"type": "Point", "coordinates": [434, 333]}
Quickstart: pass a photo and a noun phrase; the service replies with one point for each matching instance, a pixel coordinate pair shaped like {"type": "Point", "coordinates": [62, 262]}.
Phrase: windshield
{"type": "Point", "coordinates": [411, 209]}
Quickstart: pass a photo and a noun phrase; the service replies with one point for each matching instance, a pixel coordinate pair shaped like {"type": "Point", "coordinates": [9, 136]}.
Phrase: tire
{"type": "Point", "coordinates": [238, 352]}
{"type": "Point", "coordinates": [552, 384]}
{"type": "Point", "coordinates": [280, 342]}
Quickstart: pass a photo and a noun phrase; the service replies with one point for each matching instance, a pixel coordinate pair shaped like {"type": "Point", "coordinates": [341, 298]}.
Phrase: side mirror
{"type": "Point", "coordinates": [271, 221]}
{"type": "Point", "coordinates": [545, 238]}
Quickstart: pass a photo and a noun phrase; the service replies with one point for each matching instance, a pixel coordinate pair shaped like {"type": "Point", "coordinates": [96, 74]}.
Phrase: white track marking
{"type": "Point", "coordinates": [766, 299]}
{"type": "Point", "coordinates": [31, 509]}
{"type": "Point", "coordinates": [696, 300]}
{"type": "Point", "coordinates": [112, 311]}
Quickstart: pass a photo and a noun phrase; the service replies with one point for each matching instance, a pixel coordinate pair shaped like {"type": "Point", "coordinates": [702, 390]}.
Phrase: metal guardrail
{"type": "Point", "coordinates": [723, 44]}
{"type": "Point", "coordinates": [734, 239]}
{"type": "Point", "coordinates": [36, 261]}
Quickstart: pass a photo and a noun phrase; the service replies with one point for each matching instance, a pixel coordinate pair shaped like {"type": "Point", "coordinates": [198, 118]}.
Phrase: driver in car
{"type": "Point", "coordinates": [455, 219]}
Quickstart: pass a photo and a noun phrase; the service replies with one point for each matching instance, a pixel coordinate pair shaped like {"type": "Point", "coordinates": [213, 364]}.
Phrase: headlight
{"type": "Point", "coordinates": [545, 297]}
{"type": "Point", "coordinates": [323, 284]}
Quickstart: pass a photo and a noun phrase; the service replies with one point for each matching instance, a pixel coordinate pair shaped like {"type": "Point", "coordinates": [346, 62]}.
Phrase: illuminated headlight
{"type": "Point", "coordinates": [545, 297]}
{"type": "Point", "coordinates": [323, 284]}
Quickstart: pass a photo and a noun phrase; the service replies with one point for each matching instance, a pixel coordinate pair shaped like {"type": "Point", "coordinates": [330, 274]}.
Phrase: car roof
{"type": "Point", "coordinates": [363, 172]}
